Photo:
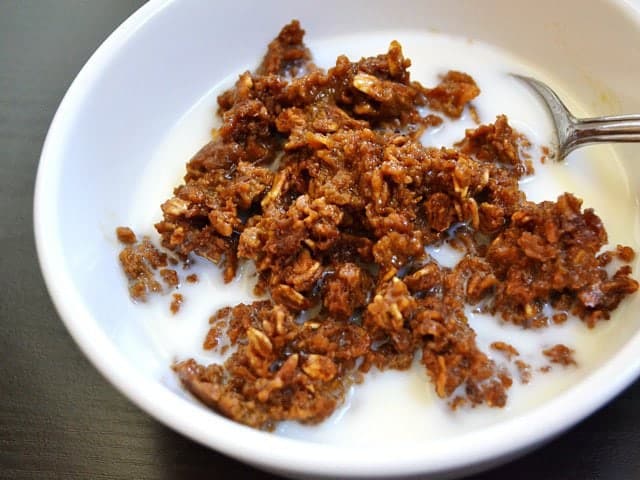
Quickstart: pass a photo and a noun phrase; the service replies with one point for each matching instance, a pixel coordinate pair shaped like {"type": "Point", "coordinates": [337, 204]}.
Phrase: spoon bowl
{"type": "Point", "coordinates": [571, 132]}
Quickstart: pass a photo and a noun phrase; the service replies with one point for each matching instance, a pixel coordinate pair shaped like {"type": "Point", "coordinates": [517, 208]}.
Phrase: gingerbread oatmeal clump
{"type": "Point", "coordinates": [140, 260]}
{"type": "Point", "coordinates": [176, 303]}
{"type": "Point", "coordinates": [125, 235]}
{"type": "Point", "coordinates": [320, 180]}
{"type": "Point", "coordinates": [560, 354]}
{"type": "Point", "coordinates": [146, 268]}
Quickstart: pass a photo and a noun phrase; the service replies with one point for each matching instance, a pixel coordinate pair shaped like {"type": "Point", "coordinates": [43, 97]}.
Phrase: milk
{"type": "Point", "coordinates": [400, 407]}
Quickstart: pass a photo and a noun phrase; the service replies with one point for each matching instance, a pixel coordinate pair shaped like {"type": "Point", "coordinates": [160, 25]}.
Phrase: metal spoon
{"type": "Point", "coordinates": [572, 132]}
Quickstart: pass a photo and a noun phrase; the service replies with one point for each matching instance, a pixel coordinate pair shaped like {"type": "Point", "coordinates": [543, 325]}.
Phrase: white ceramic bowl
{"type": "Point", "coordinates": [153, 68]}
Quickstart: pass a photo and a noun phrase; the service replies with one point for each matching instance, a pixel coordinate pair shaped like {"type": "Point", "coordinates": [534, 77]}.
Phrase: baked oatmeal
{"type": "Point", "coordinates": [320, 179]}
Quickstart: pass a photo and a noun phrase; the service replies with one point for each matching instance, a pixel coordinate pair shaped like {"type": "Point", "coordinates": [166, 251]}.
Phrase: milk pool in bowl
{"type": "Point", "coordinates": [397, 407]}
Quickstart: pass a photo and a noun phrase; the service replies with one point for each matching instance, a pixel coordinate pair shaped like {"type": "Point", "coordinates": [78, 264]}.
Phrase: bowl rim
{"type": "Point", "coordinates": [262, 449]}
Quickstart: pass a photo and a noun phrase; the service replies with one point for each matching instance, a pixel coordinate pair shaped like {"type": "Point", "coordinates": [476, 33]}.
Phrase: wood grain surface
{"type": "Point", "coordinates": [58, 417]}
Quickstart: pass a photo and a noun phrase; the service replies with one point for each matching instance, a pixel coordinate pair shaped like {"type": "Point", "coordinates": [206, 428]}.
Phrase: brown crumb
{"type": "Point", "coordinates": [170, 277]}
{"type": "Point", "coordinates": [524, 369]}
{"type": "Point", "coordinates": [455, 90]}
{"type": "Point", "coordinates": [212, 339]}
{"type": "Point", "coordinates": [560, 354]}
{"type": "Point", "coordinates": [216, 331]}
{"type": "Point", "coordinates": [176, 303]}
{"type": "Point", "coordinates": [505, 379]}
{"type": "Point", "coordinates": [139, 262]}
{"type": "Point", "coordinates": [473, 112]}
{"type": "Point", "coordinates": [509, 350]}
{"type": "Point", "coordinates": [624, 253]}
{"type": "Point", "coordinates": [192, 278]}
{"type": "Point", "coordinates": [125, 235]}
{"type": "Point", "coordinates": [546, 153]}
{"type": "Point", "coordinates": [605, 258]}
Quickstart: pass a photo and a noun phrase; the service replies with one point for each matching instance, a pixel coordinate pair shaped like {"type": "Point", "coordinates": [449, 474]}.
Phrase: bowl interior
{"type": "Point", "coordinates": [168, 56]}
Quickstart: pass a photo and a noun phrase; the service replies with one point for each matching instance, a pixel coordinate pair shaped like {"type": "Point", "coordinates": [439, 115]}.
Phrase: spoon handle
{"type": "Point", "coordinates": [622, 128]}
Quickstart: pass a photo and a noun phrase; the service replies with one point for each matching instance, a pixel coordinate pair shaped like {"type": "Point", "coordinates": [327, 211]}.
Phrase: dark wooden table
{"type": "Point", "coordinates": [58, 417]}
